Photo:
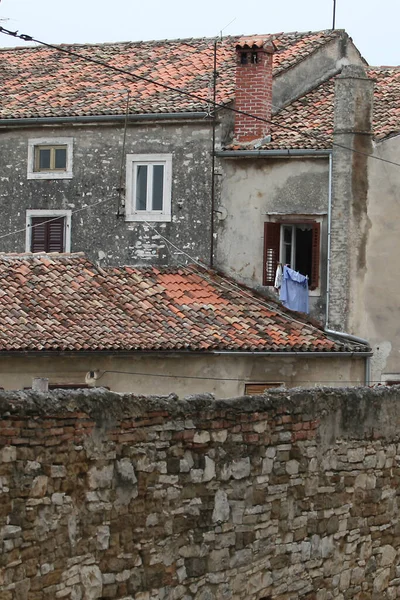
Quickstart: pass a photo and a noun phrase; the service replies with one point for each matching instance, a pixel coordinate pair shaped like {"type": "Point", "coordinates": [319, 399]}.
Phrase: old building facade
{"type": "Point", "coordinates": [126, 170]}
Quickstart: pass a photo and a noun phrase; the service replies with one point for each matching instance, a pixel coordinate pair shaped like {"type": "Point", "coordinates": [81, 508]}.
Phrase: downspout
{"type": "Point", "coordinates": [346, 336]}
{"type": "Point", "coordinates": [328, 254]}
{"type": "Point", "coordinates": [214, 125]}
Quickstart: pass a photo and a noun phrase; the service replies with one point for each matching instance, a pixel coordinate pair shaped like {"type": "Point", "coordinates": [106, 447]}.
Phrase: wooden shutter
{"type": "Point", "coordinates": [272, 238]}
{"type": "Point", "coordinates": [257, 389]}
{"type": "Point", "coordinates": [315, 256]}
{"type": "Point", "coordinates": [47, 234]}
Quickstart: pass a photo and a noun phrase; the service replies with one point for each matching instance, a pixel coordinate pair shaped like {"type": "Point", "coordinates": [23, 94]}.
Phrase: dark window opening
{"type": "Point", "coordinates": [293, 244]}
{"type": "Point", "coordinates": [254, 58]}
{"type": "Point", "coordinates": [243, 58]}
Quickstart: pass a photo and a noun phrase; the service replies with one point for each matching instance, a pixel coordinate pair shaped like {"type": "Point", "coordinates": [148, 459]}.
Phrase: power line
{"type": "Point", "coordinates": [73, 212]}
{"type": "Point", "coordinates": [238, 380]}
{"type": "Point", "coordinates": [98, 62]}
{"type": "Point", "coordinates": [237, 288]}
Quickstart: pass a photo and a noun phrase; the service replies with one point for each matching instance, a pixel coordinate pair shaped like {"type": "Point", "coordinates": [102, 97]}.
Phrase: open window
{"type": "Point", "coordinates": [293, 243]}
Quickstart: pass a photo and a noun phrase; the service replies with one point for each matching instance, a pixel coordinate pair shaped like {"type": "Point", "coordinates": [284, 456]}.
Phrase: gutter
{"type": "Point", "coordinates": [282, 153]}
{"type": "Point", "coordinates": [177, 353]}
{"type": "Point", "coordinates": [28, 122]}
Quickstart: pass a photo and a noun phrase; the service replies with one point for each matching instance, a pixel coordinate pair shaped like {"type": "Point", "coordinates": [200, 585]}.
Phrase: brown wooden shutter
{"type": "Point", "coordinates": [315, 256]}
{"type": "Point", "coordinates": [47, 234]}
{"type": "Point", "coordinates": [257, 389]}
{"type": "Point", "coordinates": [272, 235]}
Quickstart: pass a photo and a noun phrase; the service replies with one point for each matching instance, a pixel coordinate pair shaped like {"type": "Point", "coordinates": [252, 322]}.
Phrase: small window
{"type": "Point", "coordinates": [257, 389]}
{"type": "Point", "coordinates": [294, 244]}
{"type": "Point", "coordinates": [148, 187]}
{"type": "Point", "coordinates": [48, 231]}
{"type": "Point", "coordinates": [50, 158]}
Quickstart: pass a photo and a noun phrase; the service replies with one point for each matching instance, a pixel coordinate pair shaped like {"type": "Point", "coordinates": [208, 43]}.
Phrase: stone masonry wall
{"type": "Point", "coordinates": [292, 495]}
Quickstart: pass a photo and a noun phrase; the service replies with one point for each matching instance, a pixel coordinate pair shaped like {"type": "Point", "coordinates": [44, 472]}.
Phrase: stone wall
{"type": "Point", "coordinates": [292, 495]}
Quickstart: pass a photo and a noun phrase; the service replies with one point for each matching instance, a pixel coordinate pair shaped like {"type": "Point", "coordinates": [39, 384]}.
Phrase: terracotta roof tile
{"type": "Point", "coordinates": [42, 82]}
{"type": "Point", "coordinates": [62, 302]}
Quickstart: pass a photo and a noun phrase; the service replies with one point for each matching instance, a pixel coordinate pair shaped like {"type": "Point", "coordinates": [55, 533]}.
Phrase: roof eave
{"type": "Point", "coordinates": [85, 119]}
{"type": "Point", "coordinates": [154, 353]}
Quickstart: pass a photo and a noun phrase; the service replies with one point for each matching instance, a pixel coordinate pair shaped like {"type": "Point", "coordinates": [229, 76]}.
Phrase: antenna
{"type": "Point", "coordinates": [222, 30]}
{"type": "Point", "coordinates": [334, 14]}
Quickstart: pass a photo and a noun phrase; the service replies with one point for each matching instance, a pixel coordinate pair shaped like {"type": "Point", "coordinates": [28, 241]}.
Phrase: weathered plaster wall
{"type": "Point", "coordinates": [285, 497]}
{"type": "Point", "coordinates": [97, 154]}
{"type": "Point", "coordinates": [377, 313]}
{"type": "Point", "coordinates": [251, 191]}
{"type": "Point", "coordinates": [313, 69]}
{"type": "Point", "coordinates": [351, 222]}
{"type": "Point", "coordinates": [223, 376]}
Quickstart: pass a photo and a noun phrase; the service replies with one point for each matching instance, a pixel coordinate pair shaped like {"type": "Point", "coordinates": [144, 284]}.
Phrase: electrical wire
{"type": "Point", "coordinates": [238, 289]}
{"type": "Point", "coordinates": [238, 380]}
{"type": "Point", "coordinates": [73, 212]}
{"type": "Point", "coordinates": [29, 38]}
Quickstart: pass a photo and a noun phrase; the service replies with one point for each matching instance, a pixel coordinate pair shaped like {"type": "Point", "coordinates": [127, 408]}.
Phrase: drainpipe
{"type": "Point", "coordinates": [328, 255]}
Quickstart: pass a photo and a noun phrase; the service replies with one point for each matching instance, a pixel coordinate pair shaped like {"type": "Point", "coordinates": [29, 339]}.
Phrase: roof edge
{"type": "Point", "coordinates": [84, 119]}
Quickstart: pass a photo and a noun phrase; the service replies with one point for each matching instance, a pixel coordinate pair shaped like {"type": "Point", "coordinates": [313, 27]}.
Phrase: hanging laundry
{"type": "Point", "coordinates": [294, 290]}
{"type": "Point", "coordinates": [278, 277]}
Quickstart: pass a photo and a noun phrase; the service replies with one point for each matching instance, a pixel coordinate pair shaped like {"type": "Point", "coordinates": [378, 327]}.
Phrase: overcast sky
{"type": "Point", "coordinates": [372, 24]}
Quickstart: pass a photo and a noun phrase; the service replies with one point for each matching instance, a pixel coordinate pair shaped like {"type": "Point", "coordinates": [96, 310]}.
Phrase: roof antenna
{"type": "Point", "coordinates": [226, 27]}
{"type": "Point", "coordinates": [334, 14]}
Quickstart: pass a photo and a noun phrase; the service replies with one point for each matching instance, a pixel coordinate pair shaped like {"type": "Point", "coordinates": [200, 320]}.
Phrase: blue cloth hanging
{"type": "Point", "coordinates": [294, 290]}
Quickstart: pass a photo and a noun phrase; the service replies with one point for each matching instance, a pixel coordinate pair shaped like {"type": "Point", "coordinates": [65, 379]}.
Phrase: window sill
{"type": "Point", "coordinates": [152, 217]}
{"type": "Point", "coordinates": [50, 175]}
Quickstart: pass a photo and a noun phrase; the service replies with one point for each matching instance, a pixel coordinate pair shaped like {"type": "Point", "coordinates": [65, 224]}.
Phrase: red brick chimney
{"type": "Point", "coordinates": [253, 92]}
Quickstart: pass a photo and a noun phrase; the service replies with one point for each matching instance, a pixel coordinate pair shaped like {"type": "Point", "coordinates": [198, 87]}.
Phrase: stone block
{"type": "Point", "coordinates": [221, 510]}
{"type": "Point", "coordinates": [92, 582]}
{"type": "Point", "coordinates": [196, 567]}
{"type": "Point", "coordinates": [8, 454]}
{"type": "Point", "coordinates": [241, 468]}
{"type": "Point", "coordinates": [202, 437]}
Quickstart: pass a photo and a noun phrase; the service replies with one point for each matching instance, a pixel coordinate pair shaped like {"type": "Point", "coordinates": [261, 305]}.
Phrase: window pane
{"type": "Point", "coordinates": [60, 158]}
{"type": "Point", "coordinates": [158, 187]}
{"type": "Point", "coordinates": [287, 245]}
{"type": "Point", "coordinates": [44, 158]}
{"type": "Point", "coordinates": [141, 187]}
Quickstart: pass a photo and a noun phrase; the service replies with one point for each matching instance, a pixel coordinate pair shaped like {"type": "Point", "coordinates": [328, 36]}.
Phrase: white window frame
{"type": "Point", "coordinates": [132, 162]}
{"type": "Point", "coordinates": [50, 214]}
{"type": "Point", "coordinates": [56, 174]}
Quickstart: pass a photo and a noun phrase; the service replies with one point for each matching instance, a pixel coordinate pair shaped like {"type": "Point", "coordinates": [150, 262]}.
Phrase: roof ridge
{"type": "Point", "coordinates": [173, 40]}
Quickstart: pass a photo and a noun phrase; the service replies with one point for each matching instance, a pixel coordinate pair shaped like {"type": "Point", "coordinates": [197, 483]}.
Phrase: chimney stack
{"type": "Point", "coordinates": [253, 93]}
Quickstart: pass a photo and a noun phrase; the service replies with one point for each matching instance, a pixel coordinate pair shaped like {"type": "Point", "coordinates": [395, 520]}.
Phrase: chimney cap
{"type": "Point", "coordinates": [256, 43]}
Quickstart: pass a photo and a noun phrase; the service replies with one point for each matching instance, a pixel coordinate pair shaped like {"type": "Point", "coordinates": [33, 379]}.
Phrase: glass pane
{"type": "Point", "coordinates": [44, 158]}
{"type": "Point", "coordinates": [61, 158]}
{"type": "Point", "coordinates": [287, 245]}
{"type": "Point", "coordinates": [158, 187]}
{"type": "Point", "coordinates": [141, 187]}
